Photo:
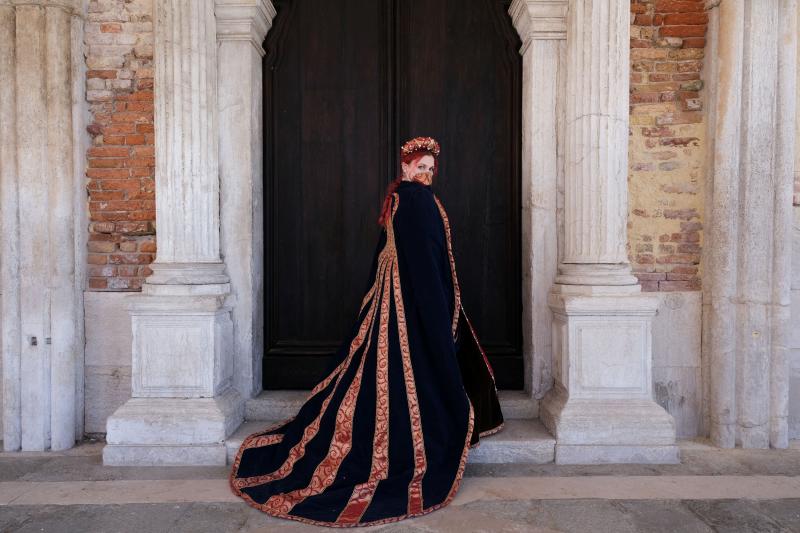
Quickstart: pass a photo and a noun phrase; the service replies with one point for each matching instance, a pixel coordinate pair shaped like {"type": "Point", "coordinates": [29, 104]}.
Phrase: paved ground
{"type": "Point", "coordinates": [711, 490]}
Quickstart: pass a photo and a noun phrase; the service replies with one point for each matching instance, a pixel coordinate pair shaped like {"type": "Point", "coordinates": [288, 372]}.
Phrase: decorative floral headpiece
{"type": "Point", "coordinates": [420, 143]}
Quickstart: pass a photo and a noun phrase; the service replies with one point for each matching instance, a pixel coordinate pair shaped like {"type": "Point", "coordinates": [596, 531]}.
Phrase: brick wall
{"type": "Point", "coordinates": [667, 143]}
{"type": "Point", "coordinates": [120, 161]}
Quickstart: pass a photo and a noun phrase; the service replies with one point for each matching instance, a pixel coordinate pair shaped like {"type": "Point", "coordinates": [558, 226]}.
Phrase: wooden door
{"type": "Point", "coordinates": [346, 82]}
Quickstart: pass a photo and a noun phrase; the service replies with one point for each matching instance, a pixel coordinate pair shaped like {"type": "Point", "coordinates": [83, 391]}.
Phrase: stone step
{"type": "Point", "coordinates": [282, 404]}
{"type": "Point", "coordinates": [520, 441]}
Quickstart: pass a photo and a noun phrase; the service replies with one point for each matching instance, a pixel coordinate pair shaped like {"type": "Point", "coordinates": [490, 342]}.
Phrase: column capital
{"type": "Point", "coordinates": [539, 19]}
{"type": "Point", "coordinates": [244, 20]}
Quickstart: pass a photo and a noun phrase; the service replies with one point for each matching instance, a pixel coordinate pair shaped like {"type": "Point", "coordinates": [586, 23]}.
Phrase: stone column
{"type": "Point", "coordinates": [541, 25]}
{"type": "Point", "coordinates": [601, 407]}
{"type": "Point", "coordinates": [42, 152]}
{"type": "Point", "coordinates": [183, 405]}
{"type": "Point", "coordinates": [241, 28]}
{"type": "Point", "coordinates": [751, 74]}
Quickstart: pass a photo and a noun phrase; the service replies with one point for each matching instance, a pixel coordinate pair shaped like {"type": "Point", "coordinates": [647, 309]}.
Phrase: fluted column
{"type": "Point", "coordinates": [183, 405]}
{"type": "Point", "coordinates": [751, 72]}
{"type": "Point", "coordinates": [596, 147]}
{"type": "Point", "coordinates": [42, 154]}
{"type": "Point", "coordinates": [601, 406]}
{"type": "Point", "coordinates": [187, 145]}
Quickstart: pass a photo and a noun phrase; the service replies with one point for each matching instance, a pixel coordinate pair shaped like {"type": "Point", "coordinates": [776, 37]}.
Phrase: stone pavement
{"type": "Point", "coordinates": [710, 490]}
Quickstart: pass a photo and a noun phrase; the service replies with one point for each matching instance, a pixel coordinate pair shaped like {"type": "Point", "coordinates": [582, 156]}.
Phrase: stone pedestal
{"type": "Point", "coordinates": [183, 405]}
{"type": "Point", "coordinates": [601, 408]}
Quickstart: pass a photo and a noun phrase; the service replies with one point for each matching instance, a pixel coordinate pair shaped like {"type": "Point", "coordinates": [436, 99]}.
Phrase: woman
{"type": "Point", "coordinates": [385, 436]}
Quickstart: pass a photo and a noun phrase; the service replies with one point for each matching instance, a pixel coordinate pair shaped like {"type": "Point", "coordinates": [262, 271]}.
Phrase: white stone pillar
{"type": "Point", "coordinates": [751, 74]}
{"type": "Point", "coordinates": [241, 28]}
{"type": "Point", "coordinates": [40, 140]}
{"type": "Point", "coordinates": [601, 407]}
{"type": "Point", "coordinates": [541, 25]}
{"type": "Point", "coordinates": [182, 406]}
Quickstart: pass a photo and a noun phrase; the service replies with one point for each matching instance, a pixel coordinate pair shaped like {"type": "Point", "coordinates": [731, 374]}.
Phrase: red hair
{"type": "Point", "coordinates": [408, 159]}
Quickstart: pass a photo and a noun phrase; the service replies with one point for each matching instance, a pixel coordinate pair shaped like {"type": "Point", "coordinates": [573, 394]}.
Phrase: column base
{"type": "Point", "coordinates": [172, 431]}
{"type": "Point", "coordinates": [597, 431]}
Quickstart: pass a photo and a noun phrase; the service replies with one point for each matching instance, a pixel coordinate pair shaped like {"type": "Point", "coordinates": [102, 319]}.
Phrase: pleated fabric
{"type": "Point", "coordinates": [386, 434]}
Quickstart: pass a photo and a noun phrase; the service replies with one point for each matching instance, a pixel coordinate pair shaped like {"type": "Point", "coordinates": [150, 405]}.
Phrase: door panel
{"type": "Point", "coordinates": [345, 83]}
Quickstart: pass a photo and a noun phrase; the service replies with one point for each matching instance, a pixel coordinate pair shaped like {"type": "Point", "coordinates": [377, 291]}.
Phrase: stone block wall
{"type": "Point", "coordinates": [120, 162]}
{"type": "Point", "coordinates": [666, 151]}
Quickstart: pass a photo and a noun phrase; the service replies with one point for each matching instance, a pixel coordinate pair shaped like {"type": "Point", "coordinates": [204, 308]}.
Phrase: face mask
{"type": "Point", "coordinates": [423, 177]}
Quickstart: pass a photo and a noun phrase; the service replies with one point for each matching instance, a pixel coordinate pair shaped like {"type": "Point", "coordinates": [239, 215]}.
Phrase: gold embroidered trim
{"type": "Point", "coordinates": [456, 289]}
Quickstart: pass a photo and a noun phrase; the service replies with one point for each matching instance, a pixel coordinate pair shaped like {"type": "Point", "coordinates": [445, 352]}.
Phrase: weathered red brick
{"type": "Point", "coordinates": [110, 27]}
{"type": "Point", "coordinates": [679, 6]}
{"type": "Point", "coordinates": [683, 31]}
{"type": "Point", "coordinates": [686, 18]}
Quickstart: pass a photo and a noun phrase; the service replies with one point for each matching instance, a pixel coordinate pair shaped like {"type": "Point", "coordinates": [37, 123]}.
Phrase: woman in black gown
{"type": "Point", "coordinates": [386, 434]}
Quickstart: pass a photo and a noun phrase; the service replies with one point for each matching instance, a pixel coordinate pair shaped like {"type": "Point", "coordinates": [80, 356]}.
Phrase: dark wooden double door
{"type": "Point", "coordinates": [346, 82]}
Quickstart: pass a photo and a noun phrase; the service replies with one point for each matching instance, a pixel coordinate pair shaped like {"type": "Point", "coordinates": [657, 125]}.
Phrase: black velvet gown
{"type": "Point", "coordinates": [386, 434]}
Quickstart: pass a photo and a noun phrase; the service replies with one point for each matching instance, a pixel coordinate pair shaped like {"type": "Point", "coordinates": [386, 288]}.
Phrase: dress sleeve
{"type": "Point", "coordinates": [422, 252]}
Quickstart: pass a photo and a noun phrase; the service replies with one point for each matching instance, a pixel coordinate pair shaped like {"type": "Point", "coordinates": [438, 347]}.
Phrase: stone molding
{"type": "Point", "coordinates": [539, 19]}
{"type": "Point", "coordinates": [244, 20]}
{"type": "Point", "coordinates": [72, 7]}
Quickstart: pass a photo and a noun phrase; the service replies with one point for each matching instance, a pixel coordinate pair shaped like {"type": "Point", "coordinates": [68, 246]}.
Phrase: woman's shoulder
{"type": "Point", "coordinates": [417, 206]}
{"type": "Point", "coordinates": [413, 192]}
{"type": "Point", "coordinates": [416, 203]}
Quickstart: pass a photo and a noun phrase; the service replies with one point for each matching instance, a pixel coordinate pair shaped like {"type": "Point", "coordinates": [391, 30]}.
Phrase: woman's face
{"type": "Point", "coordinates": [423, 164]}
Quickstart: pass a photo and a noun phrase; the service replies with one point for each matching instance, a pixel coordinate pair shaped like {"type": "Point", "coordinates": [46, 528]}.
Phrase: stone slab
{"type": "Point", "coordinates": [678, 389]}
{"type": "Point", "coordinates": [282, 404]}
{"type": "Point", "coordinates": [164, 455]}
{"type": "Point", "coordinates": [677, 311]}
{"type": "Point", "coordinates": [520, 441]}
{"type": "Point", "coordinates": [106, 388]}
{"type": "Point", "coordinates": [155, 431]}
{"type": "Point", "coordinates": [607, 422]}
{"type": "Point", "coordinates": [571, 454]}
{"type": "Point", "coordinates": [108, 329]}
